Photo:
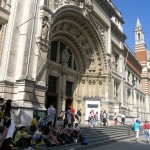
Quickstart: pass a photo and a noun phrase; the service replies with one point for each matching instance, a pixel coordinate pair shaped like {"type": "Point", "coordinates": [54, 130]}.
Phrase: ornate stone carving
{"type": "Point", "coordinates": [45, 29]}
{"type": "Point", "coordinates": [101, 30]}
{"type": "Point", "coordinates": [83, 81]}
{"type": "Point", "coordinates": [43, 39]}
{"type": "Point", "coordinates": [92, 64]}
{"type": "Point", "coordinates": [55, 4]}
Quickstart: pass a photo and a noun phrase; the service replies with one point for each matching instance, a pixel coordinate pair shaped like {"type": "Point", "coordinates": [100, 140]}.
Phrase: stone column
{"type": "Point", "coordinates": [59, 100]}
{"type": "Point", "coordinates": [63, 91]}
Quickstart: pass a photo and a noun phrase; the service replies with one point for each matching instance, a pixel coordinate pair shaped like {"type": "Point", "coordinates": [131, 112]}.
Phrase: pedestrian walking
{"type": "Point", "coordinates": [115, 118]}
{"type": "Point", "coordinates": [101, 117]}
{"type": "Point", "coordinates": [79, 114]}
{"type": "Point", "coordinates": [96, 119]}
{"type": "Point", "coordinates": [122, 119]}
{"type": "Point", "coordinates": [90, 119]}
{"type": "Point", "coordinates": [137, 129]}
{"type": "Point", "coordinates": [146, 130]}
{"type": "Point", "coordinates": [104, 118]}
{"type": "Point", "coordinates": [107, 119]}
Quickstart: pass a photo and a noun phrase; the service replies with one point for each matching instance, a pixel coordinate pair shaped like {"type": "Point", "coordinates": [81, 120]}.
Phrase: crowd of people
{"type": "Point", "coordinates": [47, 129]}
{"type": "Point", "coordinates": [56, 131]}
{"type": "Point", "coordinates": [95, 119]}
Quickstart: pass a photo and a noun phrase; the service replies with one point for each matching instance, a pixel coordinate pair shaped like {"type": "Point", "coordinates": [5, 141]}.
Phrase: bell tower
{"type": "Point", "coordinates": [142, 55]}
{"type": "Point", "coordinates": [139, 33]}
{"type": "Point", "coordinates": [140, 46]}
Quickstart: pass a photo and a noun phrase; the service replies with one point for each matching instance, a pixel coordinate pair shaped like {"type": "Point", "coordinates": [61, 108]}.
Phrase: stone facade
{"type": "Point", "coordinates": [67, 52]}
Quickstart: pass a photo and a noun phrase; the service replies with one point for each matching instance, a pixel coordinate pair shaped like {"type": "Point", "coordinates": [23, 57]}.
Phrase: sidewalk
{"type": "Point", "coordinates": [128, 144]}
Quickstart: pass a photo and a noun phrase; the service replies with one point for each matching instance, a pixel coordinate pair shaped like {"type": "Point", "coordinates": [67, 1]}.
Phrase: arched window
{"type": "Point", "coordinates": [139, 36]}
{"type": "Point", "coordinates": [54, 48]}
{"type": "Point", "coordinates": [57, 48]}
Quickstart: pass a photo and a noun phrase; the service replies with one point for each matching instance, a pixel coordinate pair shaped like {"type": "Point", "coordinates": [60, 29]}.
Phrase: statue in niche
{"type": "Point", "coordinates": [45, 28]}
{"type": "Point", "coordinates": [65, 56]}
{"type": "Point", "coordinates": [92, 65]}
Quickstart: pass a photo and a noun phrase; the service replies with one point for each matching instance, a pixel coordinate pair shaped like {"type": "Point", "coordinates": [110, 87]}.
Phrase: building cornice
{"type": "Point", "coordinates": [116, 31]}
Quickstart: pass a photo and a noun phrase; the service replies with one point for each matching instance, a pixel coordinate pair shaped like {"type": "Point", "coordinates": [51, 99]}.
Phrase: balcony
{"type": "Point", "coordinates": [4, 11]}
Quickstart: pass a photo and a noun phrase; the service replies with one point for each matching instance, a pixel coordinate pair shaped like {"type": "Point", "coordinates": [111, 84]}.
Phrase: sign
{"type": "Point", "coordinates": [91, 104]}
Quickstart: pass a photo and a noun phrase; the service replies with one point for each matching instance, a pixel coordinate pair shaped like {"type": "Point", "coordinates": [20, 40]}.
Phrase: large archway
{"type": "Point", "coordinates": [84, 43]}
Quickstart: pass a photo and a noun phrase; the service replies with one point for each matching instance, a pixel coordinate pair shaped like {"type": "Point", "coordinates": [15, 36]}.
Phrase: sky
{"type": "Point", "coordinates": [130, 10]}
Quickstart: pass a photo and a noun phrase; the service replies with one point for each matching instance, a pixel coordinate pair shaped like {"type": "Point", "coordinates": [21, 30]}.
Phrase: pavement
{"type": "Point", "coordinates": [128, 144]}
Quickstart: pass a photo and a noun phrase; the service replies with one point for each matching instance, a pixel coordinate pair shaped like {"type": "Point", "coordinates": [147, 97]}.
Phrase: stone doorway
{"type": "Point", "coordinates": [69, 102]}
{"type": "Point", "coordinates": [51, 100]}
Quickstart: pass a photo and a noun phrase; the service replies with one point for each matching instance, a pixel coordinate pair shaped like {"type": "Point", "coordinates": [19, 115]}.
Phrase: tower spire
{"type": "Point", "coordinates": [138, 23]}
{"type": "Point", "coordinates": [139, 33]}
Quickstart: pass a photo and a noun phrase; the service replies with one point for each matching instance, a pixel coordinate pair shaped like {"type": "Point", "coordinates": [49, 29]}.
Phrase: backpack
{"type": "Point", "coordinates": [84, 141]}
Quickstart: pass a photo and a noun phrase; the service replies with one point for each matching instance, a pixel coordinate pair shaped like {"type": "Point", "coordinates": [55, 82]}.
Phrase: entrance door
{"type": "Point", "coordinates": [51, 100]}
{"type": "Point", "coordinates": [69, 102]}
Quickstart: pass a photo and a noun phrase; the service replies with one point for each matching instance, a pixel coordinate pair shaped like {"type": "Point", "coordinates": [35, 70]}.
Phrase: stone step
{"type": "Point", "coordinates": [96, 136]}
{"type": "Point", "coordinates": [91, 144]}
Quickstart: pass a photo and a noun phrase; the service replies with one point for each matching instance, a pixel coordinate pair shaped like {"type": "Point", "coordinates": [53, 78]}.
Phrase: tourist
{"type": "Point", "coordinates": [122, 119]}
{"type": "Point", "coordinates": [8, 133]}
{"type": "Point", "coordinates": [115, 119]}
{"type": "Point", "coordinates": [96, 119]}
{"type": "Point", "coordinates": [34, 124]}
{"type": "Point", "coordinates": [72, 113]}
{"type": "Point", "coordinates": [43, 121]}
{"type": "Point", "coordinates": [1, 111]}
{"type": "Point", "coordinates": [90, 119]}
{"type": "Point", "coordinates": [101, 117]}
{"type": "Point", "coordinates": [137, 129]}
{"type": "Point", "coordinates": [107, 119]}
{"type": "Point", "coordinates": [79, 116]}
{"type": "Point", "coordinates": [6, 108]}
{"type": "Point", "coordinates": [69, 115]}
{"type": "Point", "coordinates": [104, 118]}
{"type": "Point", "coordinates": [22, 139]}
{"type": "Point", "coordinates": [37, 136]}
{"type": "Point", "coordinates": [146, 129]}
{"type": "Point", "coordinates": [52, 114]}
{"type": "Point", "coordinates": [76, 132]}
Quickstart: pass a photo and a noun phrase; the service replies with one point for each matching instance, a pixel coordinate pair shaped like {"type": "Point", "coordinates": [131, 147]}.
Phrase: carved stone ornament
{"type": "Point", "coordinates": [56, 4]}
{"type": "Point", "coordinates": [43, 38]}
{"type": "Point", "coordinates": [43, 44]}
{"type": "Point", "coordinates": [92, 66]}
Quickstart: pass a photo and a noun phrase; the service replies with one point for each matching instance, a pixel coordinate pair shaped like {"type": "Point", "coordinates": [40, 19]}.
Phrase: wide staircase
{"type": "Point", "coordinates": [98, 136]}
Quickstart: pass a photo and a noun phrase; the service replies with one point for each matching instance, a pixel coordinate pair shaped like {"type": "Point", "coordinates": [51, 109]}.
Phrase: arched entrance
{"type": "Point", "coordinates": [76, 56]}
